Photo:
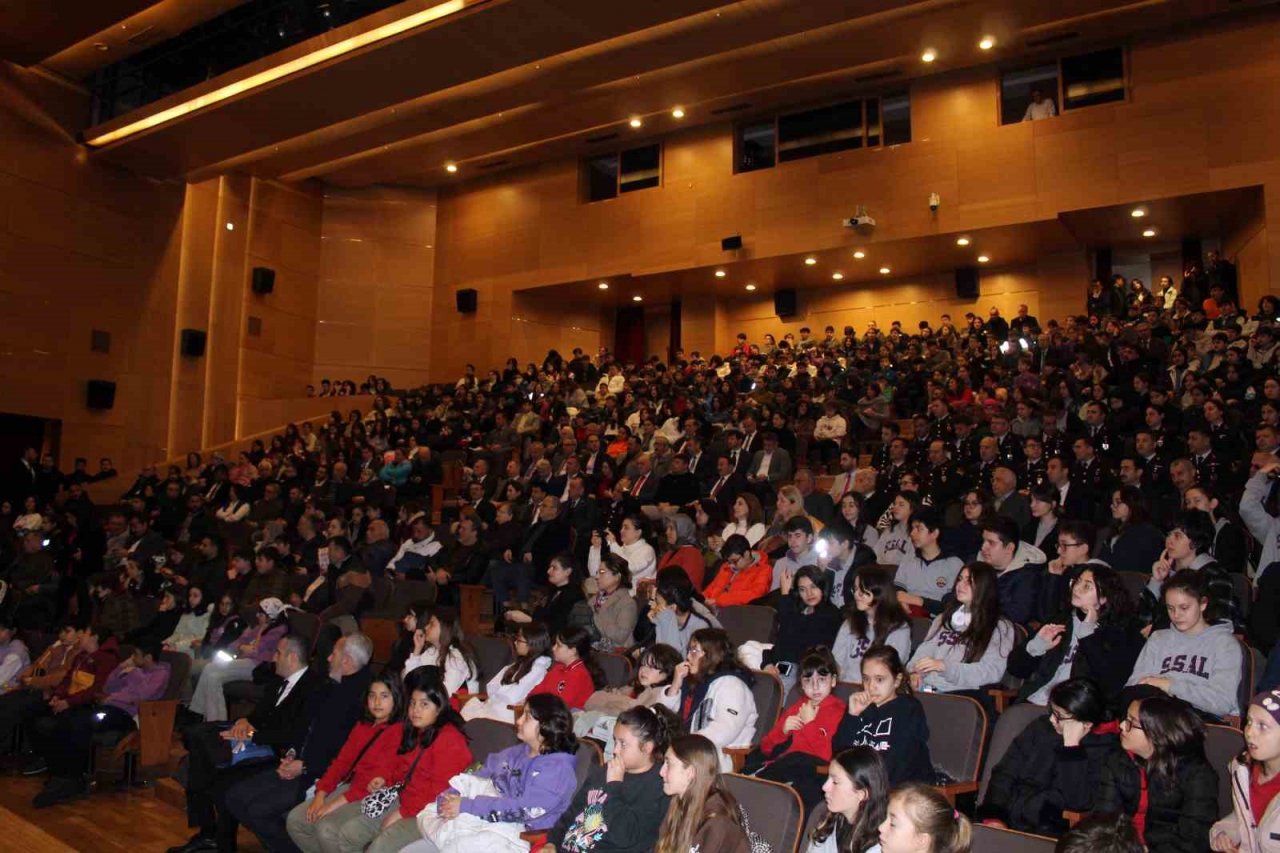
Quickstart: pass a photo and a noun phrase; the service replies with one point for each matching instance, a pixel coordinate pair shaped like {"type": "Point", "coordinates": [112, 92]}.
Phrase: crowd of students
{"type": "Point", "coordinates": [615, 508]}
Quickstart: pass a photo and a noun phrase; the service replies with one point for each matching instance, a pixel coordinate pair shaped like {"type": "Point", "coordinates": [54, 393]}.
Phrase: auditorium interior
{"type": "Point", "coordinates": [211, 210]}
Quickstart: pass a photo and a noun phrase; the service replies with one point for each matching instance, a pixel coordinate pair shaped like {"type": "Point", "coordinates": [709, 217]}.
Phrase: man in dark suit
{"type": "Point", "coordinates": [264, 800]}
{"type": "Point", "coordinates": [22, 481]}
{"type": "Point", "coordinates": [702, 465]}
{"type": "Point", "coordinates": [548, 536]}
{"type": "Point", "coordinates": [278, 722]}
{"type": "Point", "coordinates": [678, 488]}
{"type": "Point", "coordinates": [724, 490]}
{"type": "Point", "coordinates": [1071, 498]}
{"type": "Point", "coordinates": [770, 466]}
{"type": "Point", "coordinates": [583, 514]}
{"type": "Point", "coordinates": [644, 488]}
{"type": "Point", "coordinates": [1007, 500]}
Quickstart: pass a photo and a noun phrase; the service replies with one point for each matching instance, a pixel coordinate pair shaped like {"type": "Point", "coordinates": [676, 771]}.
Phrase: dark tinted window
{"type": "Point", "coordinates": [897, 119]}
{"type": "Point", "coordinates": [602, 177]}
{"type": "Point", "coordinates": [756, 144]}
{"type": "Point", "coordinates": [1093, 78]}
{"type": "Point", "coordinates": [639, 169]}
{"type": "Point", "coordinates": [1016, 89]}
{"type": "Point", "coordinates": [821, 131]}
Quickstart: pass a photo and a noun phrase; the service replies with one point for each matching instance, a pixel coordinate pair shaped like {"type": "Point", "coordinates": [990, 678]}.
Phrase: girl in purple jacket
{"type": "Point", "coordinates": [535, 778]}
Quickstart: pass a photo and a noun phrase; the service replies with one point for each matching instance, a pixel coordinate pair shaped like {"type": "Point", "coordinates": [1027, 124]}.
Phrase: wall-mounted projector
{"type": "Point", "coordinates": [860, 219]}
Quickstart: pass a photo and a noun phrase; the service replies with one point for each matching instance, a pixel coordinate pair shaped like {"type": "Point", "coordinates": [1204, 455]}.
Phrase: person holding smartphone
{"type": "Point", "coordinates": [806, 618]}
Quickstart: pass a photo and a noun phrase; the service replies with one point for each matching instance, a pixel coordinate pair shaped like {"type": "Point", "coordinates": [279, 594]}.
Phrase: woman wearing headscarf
{"type": "Point", "coordinates": [682, 549]}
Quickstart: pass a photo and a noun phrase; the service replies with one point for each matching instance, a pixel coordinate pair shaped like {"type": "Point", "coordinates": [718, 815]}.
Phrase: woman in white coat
{"type": "Point", "coordinates": [712, 693]}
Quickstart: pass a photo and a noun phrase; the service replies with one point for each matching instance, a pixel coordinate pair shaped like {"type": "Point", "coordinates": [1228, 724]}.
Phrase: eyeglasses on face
{"type": "Point", "coordinates": [1062, 544]}
{"type": "Point", "coordinates": [1129, 723]}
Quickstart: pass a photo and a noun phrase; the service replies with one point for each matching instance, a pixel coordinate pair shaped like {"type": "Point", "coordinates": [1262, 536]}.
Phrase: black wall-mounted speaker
{"type": "Point", "coordinates": [101, 394]}
{"type": "Point", "coordinates": [466, 300]}
{"type": "Point", "coordinates": [784, 302]}
{"type": "Point", "coordinates": [193, 341]}
{"type": "Point", "coordinates": [730, 244]}
{"type": "Point", "coordinates": [264, 280]}
{"type": "Point", "coordinates": [968, 283]}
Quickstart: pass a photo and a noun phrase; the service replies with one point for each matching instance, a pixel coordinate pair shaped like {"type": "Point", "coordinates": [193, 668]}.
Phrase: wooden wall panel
{"type": "Point", "coordinates": [376, 283]}
{"type": "Point", "coordinates": [1188, 126]}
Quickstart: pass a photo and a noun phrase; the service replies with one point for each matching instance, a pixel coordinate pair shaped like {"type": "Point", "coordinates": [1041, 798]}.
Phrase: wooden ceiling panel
{"type": "Point", "coordinates": [32, 30]}
{"type": "Point", "coordinates": [521, 81]}
{"type": "Point", "coordinates": [489, 38]}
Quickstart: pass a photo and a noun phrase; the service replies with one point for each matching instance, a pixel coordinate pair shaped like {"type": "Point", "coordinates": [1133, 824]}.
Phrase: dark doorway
{"type": "Point", "coordinates": [628, 340]}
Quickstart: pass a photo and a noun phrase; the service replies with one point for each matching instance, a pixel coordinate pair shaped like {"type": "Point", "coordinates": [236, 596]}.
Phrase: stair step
{"type": "Point", "coordinates": [169, 792]}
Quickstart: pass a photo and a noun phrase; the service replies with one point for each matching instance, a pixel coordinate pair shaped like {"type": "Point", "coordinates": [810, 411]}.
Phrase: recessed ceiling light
{"type": "Point", "coordinates": [884, 270]}
{"type": "Point", "coordinates": [962, 241]}
{"type": "Point", "coordinates": [451, 167]}
{"type": "Point", "coordinates": [637, 299]}
{"type": "Point", "coordinates": [721, 273]}
{"type": "Point", "coordinates": [929, 55]}
{"type": "Point", "coordinates": [751, 287]}
{"type": "Point", "coordinates": [837, 275]}
{"type": "Point", "coordinates": [231, 226]}
{"type": "Point", "coordinates": [987, 42]}
{"type": "Point", "coordinates": [982, 259]}
{"type": "Point", "coordinates": [604, 285]}
{"type": "Point", "coordinates": [1150, 232]}
{"type": "Point", "coordinates": [810, 261]}
{"type": "Point", "coordinates": [636, 122]}
{"type": "Point", "coordinates": [1138, 213]}
{"type": "Point", "coordinates": [678, 112]}
{"type": "Point", "coordinates": [101, 45]}
{"type": "Point", "coordinates": [859, 254]}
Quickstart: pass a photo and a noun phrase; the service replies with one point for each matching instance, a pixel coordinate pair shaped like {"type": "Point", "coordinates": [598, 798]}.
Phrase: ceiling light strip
{"type": "Point", "coordinates": [293, 66]}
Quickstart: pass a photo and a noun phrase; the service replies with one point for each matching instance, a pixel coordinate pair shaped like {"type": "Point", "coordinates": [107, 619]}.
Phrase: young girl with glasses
{"type": "Point", "coordinates": [1045, 769]}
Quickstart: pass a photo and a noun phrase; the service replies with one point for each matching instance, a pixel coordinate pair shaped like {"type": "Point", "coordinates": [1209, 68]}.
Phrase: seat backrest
{"type": "Point", "coordinates": [492, 653]}
{"type": "Point", "coordinates": [381, 592]}
{"type": "Point", "coordinates": [179, 672]}
{"type": "Point", "coordinates": [1244, 690]}
{"type": "Point", "coordinates": [1009, 725]}
{"type": "Point", "coordinates": [1259, 661]}
{"type": "Point", "coordinates": [1242, 589]}
{"type": "Point", "coordinates": [303, 624]}
{"type": "Point", "coordinates": [773, 810]}
{"type": "Point", "coordinates": [767, 691]}
{"type": "Point", "coordinates": [404, 593]}
{"type": "Point", "coordinates": [919, 630]}
{"type": "Point", "coordinates": [617, 669]}
{"type": "Point", "coordinates": [990, 839]}
{"type": "Point", "coordinates": [1134, 583]}
{"type": "Point", "coordinates": [490, 736]}
{"type": "Point", "coordinates": [957, 734]}
{"type": "Point", "coordinates": [1221, 744]}
{"type": "Point", "coordinates": [745, 622]}
{"type": "Point", "coordinates": [383, 633]}
{"type": "Point", "coordinates": [589, 755]}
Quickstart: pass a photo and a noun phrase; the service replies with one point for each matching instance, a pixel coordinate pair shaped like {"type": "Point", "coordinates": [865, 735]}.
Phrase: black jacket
{"type": "Point", "coordinates": [798, 631]}
{"type": "Point", "coordinates": [899, 732]}
{"type": "Point", "coordinates": [1039, 777]}
{"type": "Point", "coordinates": [284, 726]}
{"type": "Point", "coordinates": [336, 707]}
{"type": "Point", "coordinates": [1179, 812]}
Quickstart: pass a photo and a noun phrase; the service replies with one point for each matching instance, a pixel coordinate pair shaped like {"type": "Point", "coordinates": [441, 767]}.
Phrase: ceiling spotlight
{"type": "Point", "coordinates": [751, 287]}
{"type": "Point", "coordinates": [859, 254]}
{"type": "Point", "coordinates": [1150, 232]}
{"type": "Point", "coordinates": [231, 226]}
{"type": "Point", "coordinates": [884, 270]}
{"type": "Point", "coordinates": [604, 285]}
{"type": "Point", "coordinates": [837, 275]}
{"type": "Point", "coordinates": [678, 112]}
{"type": "Point", "coordinates": [637, 299]}
{"type": "Point", "coordinates": [810, 261]}
{"type": "Point", "coordinates": [982, 259]}
{"type": "Point", "coordinates": [451, 168]}
{"type": "Point", "coordinates": [636, 122]}
{"type": "Point", "coordinates": [987, 42]}
{"type": "Point", "coordinates": [962, 241]}
{"type": "Point", "coordinates": [929, 55]}
{"type": "Point", "coordinates": [1138, 213]}
{"type": "Point", "coordinates": [721, 273]}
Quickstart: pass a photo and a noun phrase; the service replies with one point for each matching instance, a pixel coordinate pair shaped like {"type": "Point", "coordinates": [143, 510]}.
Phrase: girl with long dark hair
{"type": "Point", "coordinates": [532, 646]}
{"type": "Point", "coordinates": [886, 715]}
{"type": "Point", "coordinates": [712, 693]}
{"type": "Point", "coordinates": [857, 796]}
{"type": "Point", "coordinates": [574, 675]}
{"type": "Point", "coordinates": [1159, 776]}
{"type": "Point", "coordinates": [440, 642]}
{"type": "Point", "coordinates": [875, 619]}
{"type": "Point", "coordinates": [968, 645]}
{"type": "Point", "coordinates": [371, 746]}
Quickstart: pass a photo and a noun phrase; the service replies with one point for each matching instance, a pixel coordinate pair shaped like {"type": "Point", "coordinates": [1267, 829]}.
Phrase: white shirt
{"type": "Point", "coordinates": [765, 458]}
{"type": "Point", "coordinates": [1044, 109]}
{"type": "Point", "coordinates": [289, 683]}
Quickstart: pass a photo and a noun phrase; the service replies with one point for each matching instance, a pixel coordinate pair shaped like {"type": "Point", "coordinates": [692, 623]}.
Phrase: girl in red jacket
{"type": "Point", "coordinates": [369, 752]}
{"type": "Point", "coordinates": [433, 749]}
{"type": "Point", "coordinates": [800, 741]}
{"type": "Point", "coordinates": [575, 675]}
